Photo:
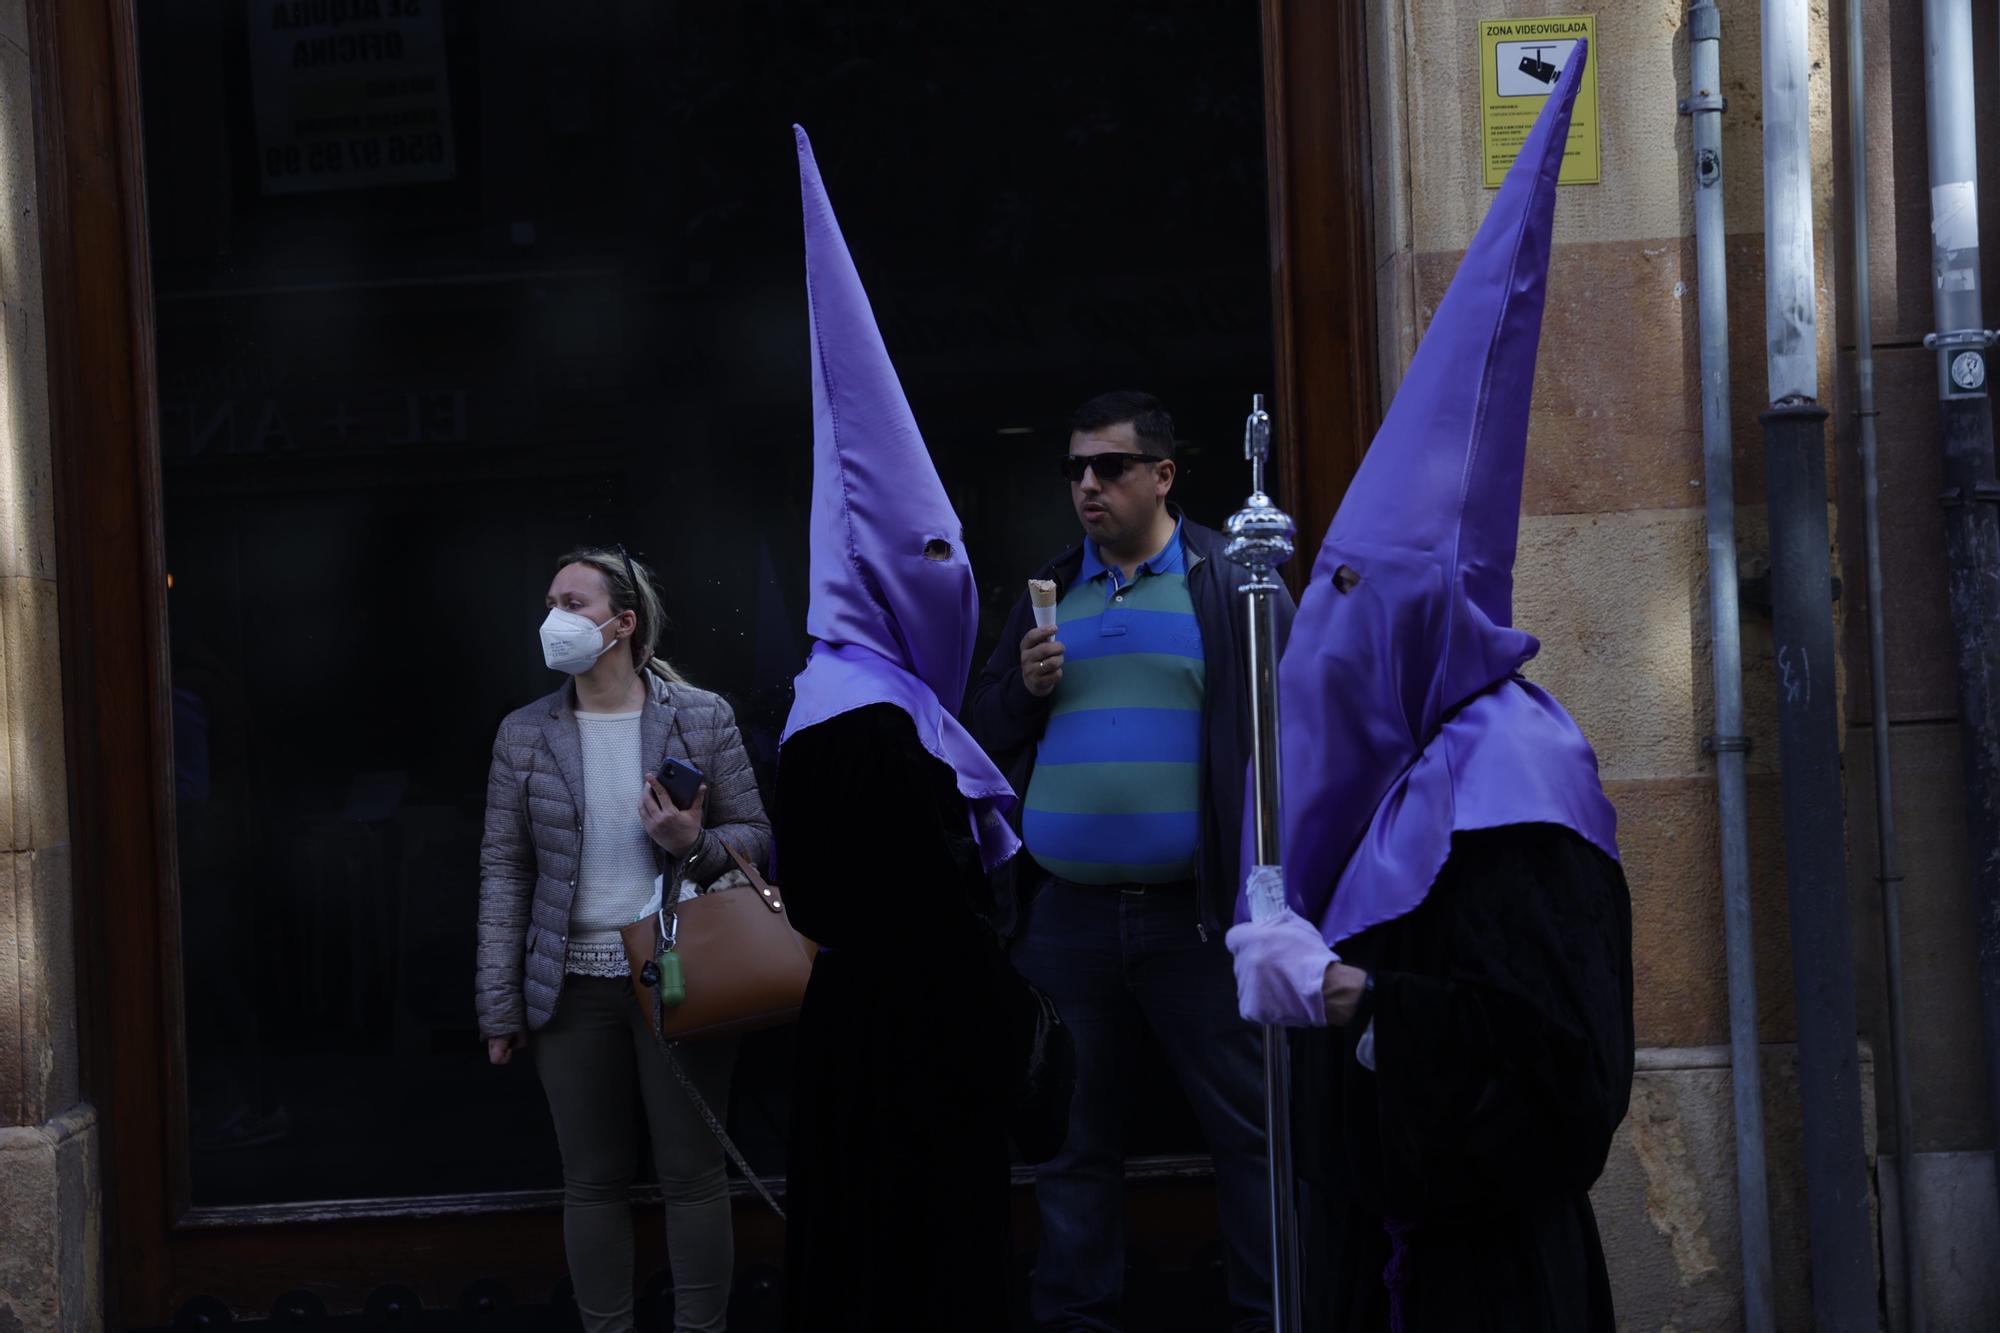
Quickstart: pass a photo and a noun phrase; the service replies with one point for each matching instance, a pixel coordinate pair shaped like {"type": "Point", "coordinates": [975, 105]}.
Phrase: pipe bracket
{"type": "Point", "coordinates": [1725, 745]}
{"type": "Point", "coordinates": [1706, 102]}
{"type": "Point", "coordinates": [1985, 492]}
{"type": "Point", "coordinates": [1939, 342]}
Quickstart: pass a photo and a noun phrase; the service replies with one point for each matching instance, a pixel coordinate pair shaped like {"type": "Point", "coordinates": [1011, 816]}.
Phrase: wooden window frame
{"type": "Point", "coordinates": [1322, 202]}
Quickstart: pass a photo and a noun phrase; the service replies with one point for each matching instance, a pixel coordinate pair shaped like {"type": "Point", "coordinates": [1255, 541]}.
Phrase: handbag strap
{"type": "Point", "coordinates": [715, 1124]}
{"type": "Point", "coordinates": [765, 889]}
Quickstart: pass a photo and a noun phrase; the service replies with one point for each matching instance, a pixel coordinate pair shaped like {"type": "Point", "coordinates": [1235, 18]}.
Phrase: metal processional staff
{"type": "Point", "coordinates": [1260, 539]}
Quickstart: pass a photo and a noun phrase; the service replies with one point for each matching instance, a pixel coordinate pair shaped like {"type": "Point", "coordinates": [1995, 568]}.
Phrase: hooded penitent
{"type": "Point", "coordinates": [1404, 717]}
{"type": "Point", "coordinates": [893, 609]}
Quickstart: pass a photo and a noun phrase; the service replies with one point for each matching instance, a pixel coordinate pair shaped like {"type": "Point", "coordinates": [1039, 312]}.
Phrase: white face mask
{"type": "Point", "coordinates": [571, 643]}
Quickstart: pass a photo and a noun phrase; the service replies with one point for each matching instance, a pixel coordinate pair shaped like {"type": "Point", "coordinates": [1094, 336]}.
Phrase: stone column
{"type": "Point", "coordinates": [49, 1185]}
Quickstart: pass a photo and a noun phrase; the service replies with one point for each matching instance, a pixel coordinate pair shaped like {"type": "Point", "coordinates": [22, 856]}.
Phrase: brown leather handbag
{"type": "Point", "coordinates": [743, 967]}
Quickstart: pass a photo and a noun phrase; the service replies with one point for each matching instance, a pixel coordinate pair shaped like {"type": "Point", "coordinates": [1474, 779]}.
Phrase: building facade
{"type": "Point", "coordinates": [270, 423]}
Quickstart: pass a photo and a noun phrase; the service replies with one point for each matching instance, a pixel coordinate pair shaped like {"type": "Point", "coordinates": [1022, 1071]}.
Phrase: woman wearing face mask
{"type": "Point", "coordinates": [577, 827]}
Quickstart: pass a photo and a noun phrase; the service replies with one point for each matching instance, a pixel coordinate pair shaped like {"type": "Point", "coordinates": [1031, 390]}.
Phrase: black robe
{"type": "Point", "coordinates": [1502, 1009]}
{"type": "Point", "coordinates": [897, 1198]}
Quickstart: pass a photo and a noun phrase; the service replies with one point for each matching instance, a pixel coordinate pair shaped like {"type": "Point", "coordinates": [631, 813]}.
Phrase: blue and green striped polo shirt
{"type": "Point", "coordinates": [1116, 793]}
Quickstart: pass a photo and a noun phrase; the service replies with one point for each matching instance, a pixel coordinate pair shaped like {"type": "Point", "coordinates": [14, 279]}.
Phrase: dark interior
{"type": "Point", "coordinates": [548, 291]}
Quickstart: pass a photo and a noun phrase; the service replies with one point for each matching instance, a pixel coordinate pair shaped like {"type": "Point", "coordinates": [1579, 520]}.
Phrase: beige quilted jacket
{"type": "Point", "coordinates": [534, 836]}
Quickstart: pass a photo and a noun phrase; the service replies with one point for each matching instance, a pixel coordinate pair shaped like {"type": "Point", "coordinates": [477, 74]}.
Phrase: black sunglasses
{"type": "Point", "coordinates": [1108, 467]}
{"type": "Point", "coordinates": [630, 572]}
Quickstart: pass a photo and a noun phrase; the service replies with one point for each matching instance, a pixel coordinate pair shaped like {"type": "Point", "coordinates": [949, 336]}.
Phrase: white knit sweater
{"type": "Point", "coordinates": [614, 878]}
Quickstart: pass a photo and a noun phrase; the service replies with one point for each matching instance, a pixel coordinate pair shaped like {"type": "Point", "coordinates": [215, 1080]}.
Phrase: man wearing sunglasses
{"type": "Point", "coordinates": [1125, 730]}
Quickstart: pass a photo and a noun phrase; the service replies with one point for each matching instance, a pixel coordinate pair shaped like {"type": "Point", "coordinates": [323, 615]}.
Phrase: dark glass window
{"type": "Point", "coordinates": [443, 289]}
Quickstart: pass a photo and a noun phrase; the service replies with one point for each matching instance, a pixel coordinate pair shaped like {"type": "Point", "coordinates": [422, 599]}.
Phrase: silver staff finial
{"type": "Point", "coordinates": [1260, 534]}
{"type": "Point", "coordinates": [1257, 442]}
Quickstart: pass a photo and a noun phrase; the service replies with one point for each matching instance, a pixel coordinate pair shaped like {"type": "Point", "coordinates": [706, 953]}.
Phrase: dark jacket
{"type": "Point", "coordinates": [1008, 721]}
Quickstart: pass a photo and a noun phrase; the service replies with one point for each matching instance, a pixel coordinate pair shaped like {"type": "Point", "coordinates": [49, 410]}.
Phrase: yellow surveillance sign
{"type": "Point", "coordinates": [1519, 61]}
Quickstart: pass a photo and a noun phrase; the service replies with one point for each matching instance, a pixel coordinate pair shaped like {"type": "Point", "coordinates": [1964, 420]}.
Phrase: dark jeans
{"type": "Point", "coordinates": [1113, 959]}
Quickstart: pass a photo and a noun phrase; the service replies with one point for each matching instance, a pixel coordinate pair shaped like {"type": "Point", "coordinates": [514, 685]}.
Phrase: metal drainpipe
{"type": "Point", "coordinates": [1965, 424]}
{"type": "Point", "coordinates": [1889, 868]}
{"type": "Point", "coordinates": [1704, 104]}
{"type": "Point", "coordinates": [1843, 1252]}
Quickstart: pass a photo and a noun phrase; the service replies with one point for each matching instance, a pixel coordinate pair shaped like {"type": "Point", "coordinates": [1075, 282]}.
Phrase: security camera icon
{"type": "Point", "coordinates": [1538, 69]}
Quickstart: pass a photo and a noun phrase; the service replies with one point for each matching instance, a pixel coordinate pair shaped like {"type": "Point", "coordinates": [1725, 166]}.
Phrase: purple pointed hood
{"type": "Point", "coordinates": [1404, 716]}
{"type": "Point", "coordinates": [889, 623]}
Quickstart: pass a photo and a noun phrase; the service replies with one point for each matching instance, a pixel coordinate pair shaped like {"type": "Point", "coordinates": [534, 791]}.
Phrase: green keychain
{"type": "Point", "coordinates": [673, 988]}
{"type": "Point", "coordinates": [663, 972]}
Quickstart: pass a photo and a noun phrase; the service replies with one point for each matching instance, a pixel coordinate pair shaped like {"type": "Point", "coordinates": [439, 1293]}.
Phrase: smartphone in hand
{"type": "Point", "coordinates": [681, 779]}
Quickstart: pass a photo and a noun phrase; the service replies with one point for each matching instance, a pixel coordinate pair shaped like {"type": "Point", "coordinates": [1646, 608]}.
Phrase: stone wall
{"type": "Point", "coordinates": [1666, 1204]}
{"type": "Point", "coordinates": [49, 1183]}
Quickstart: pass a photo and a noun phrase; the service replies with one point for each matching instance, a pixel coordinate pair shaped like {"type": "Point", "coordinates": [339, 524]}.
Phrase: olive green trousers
{"type": "Point", "coordinates": [600, 1066]}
